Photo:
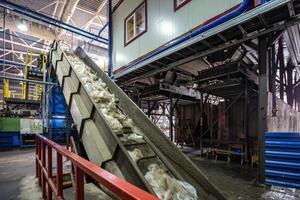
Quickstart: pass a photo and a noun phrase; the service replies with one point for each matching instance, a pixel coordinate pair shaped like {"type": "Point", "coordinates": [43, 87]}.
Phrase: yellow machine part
{"type": "Point", "coordinates": [24, 85]}
{"type": "Point", "coordinates": [6, 91]}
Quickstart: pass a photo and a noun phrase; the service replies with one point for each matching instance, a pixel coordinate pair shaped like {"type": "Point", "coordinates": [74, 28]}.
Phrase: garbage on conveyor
{"type": "Point", "coordinates": [168, 188]}
{"type": "Point", "coordinates": [136, 154]}
{"type": "Point", "coordinates": [165, 187]}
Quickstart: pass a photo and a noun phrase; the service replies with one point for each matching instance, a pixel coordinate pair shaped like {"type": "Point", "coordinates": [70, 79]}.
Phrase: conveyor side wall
{"type": "Point", "coordinates": [101, 145]}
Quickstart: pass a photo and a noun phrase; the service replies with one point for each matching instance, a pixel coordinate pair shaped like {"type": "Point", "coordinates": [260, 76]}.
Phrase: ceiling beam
{"type": "Point", "coordinates": [24, 45]}
{"type": "Point", "coordinates": [101, 6]}
{"type": "Point", "coordinates": [20, 52]}
{"type": "Point", "coordinates": [102, 17]}
{"type": "Point", "coordinates": [69, 10]}
{"type": "Point", "coordinates": [47, 6]}
{"type": "Point", "coordinates": [51, 21]}
{"type": "Point", "coordinates": [16, 64]}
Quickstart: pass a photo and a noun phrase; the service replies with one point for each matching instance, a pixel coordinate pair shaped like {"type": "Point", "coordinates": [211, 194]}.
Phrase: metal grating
{"type": "Point", "coordinates": [283, 159]}
{"type": "Point", "coordinates": [91, 5]}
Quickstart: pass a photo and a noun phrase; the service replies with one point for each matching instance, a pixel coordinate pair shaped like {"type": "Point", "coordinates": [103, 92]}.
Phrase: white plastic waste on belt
{"type": "Point", "coordinates": [168, 188]}
{"type": "Point", "coordinates": [136, 154]}
{"type": "Point", "coordinates": [165, 186]}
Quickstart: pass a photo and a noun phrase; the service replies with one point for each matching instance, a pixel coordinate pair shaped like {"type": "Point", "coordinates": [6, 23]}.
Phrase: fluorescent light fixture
{"type": "Point", "coordinates": [21, 56]}
{"type": "Point", "coordinates": [20, 73]}
{"type": "Point", "coordinates": [22, 26]}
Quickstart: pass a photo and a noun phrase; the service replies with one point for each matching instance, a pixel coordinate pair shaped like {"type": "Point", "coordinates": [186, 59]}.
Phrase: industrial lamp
{"type": "Point", "coordinates": [22, 25]}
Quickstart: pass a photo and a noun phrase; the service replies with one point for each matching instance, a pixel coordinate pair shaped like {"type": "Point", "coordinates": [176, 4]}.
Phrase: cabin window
{"type": "Point", "coordinates": [180, 3]}
{"type": "Point", "coordinates": [136, 23]}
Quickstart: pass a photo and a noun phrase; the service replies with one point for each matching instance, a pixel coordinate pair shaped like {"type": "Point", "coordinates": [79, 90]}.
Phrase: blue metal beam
{"type": "Point", "coordinates": [110, 38]}
{"type": "Point", "coordinates": [12, 63]}
{"type": "Point", "coordinates": [102, 29]}
{"type": "Point", "coordinates": [26, 39]}
{"type": "Point", "coordinates": [48, 20]}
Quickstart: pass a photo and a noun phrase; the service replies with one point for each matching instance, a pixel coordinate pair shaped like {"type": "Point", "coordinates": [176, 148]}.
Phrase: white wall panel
{"type": "Point", "coordinates": [163, 24]}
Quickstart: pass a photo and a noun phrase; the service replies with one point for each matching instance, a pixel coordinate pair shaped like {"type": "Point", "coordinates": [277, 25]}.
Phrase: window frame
{"type": "Point", "coordinates": [177, 7]}
{"type": "Point", "coordinates": [127, 42]}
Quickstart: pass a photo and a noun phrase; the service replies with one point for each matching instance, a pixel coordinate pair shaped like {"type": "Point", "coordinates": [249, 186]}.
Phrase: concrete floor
{"type": "Point", "coordinates": [17, 179]}
{"type": "Point", "coordinates": [238, 182]}
{"type": "Point", "coordinates": [17, 175]}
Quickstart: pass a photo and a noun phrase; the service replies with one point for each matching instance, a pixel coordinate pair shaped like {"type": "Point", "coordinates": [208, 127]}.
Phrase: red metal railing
{"type": "Point", "coordinates": [54, 185]}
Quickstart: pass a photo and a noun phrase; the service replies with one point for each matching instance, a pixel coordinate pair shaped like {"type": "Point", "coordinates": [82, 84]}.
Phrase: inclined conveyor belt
{"type": "Point", "coordinates": [139, 150]}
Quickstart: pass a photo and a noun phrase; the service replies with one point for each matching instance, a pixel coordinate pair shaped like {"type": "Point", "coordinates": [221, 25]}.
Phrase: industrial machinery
{"type": "Point", "coordinates": [107, 147]}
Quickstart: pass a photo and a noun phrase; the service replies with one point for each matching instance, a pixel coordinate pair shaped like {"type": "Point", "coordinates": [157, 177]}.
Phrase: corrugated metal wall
{"type": "Point", "coordinates": [283, 159]}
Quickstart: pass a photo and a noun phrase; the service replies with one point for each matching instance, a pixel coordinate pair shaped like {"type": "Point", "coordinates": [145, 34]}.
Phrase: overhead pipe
{"type": "Point", "coordinates": [102, 29]}
{"type": "Point", "coordinates": [49, 20]}
{"type": "Point", "coordinates": [242, 8]}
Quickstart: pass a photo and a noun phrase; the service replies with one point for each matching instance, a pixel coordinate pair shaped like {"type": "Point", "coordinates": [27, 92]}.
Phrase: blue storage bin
{"type": "Point", "coordinates": [16, 140]}
{"type": "Point", "coordinates": [9, 139]}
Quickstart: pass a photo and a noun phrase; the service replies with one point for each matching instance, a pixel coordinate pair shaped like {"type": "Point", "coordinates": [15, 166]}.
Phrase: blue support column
{"type": "Point", "coordinates": [102, 29]}
{"type": "Point", "coordinates": [110, 38]}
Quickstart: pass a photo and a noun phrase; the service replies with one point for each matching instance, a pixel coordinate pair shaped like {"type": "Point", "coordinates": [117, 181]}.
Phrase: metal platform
{"type": "Point", "coordinates": [272, 17]}
{"type": "Point", "coordinates": [27, 103]}
{"type": "Point", "coordinates": [227, 80]}
{"type": "Point", "coordinates": [166, 90]}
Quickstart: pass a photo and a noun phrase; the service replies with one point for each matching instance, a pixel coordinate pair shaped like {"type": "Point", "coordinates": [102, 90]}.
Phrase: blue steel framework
{"type": "Point", "coordinates": [59, 120]}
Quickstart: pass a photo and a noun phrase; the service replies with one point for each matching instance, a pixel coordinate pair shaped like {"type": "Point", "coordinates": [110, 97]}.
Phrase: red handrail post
{"type": "Point", "coordinates": [39, 158]}
{"type": "Point", "coordinates": [59, 176]}
{"type": "Point", "coordinates": [36, 154]}
{"type": "Point", "coordinates": [119, 187]}
{"type": "Point", "coordinates": [43, 166]}
{"type": "Point", "coordinates": [79, 181]}
{"type": "Point", "coordinates": [49, 172]}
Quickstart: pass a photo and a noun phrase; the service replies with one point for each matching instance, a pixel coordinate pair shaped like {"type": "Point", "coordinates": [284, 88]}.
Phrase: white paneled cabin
{"type": "Point", "coordinates": [141, 27]}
